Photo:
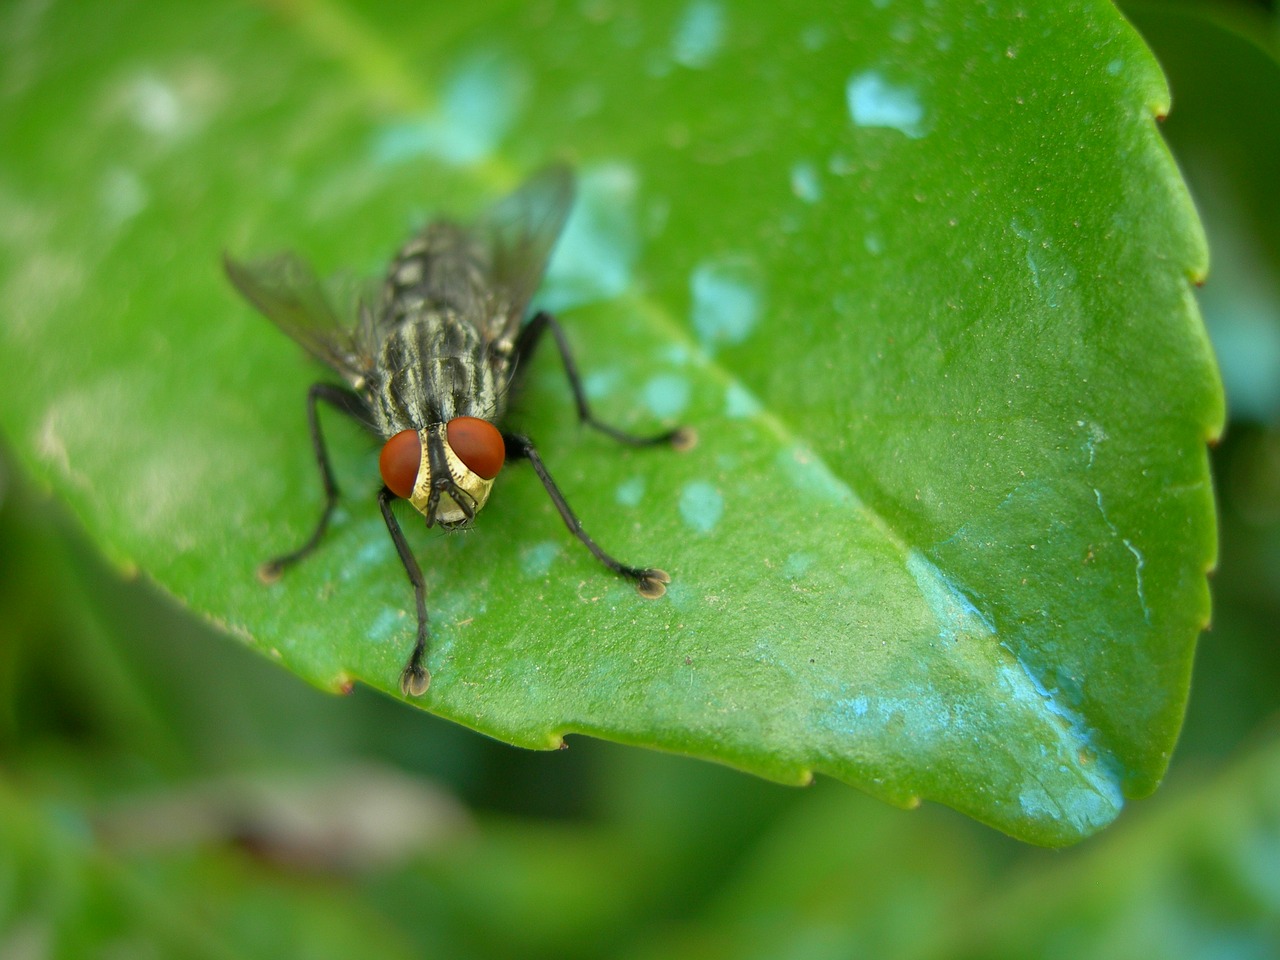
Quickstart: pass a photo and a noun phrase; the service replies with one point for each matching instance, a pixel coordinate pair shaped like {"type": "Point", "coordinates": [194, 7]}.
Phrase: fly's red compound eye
{"type": "Point", "coordinates": [478, 444]}
{"type": "Point", "coordinates": [398, 463]}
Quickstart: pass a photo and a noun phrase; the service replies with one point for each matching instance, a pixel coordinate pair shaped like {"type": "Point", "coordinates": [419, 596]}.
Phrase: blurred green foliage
{"type": "Point", "coordinates": [160, 786]}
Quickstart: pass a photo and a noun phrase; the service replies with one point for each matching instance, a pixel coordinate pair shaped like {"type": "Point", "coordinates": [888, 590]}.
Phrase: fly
{"type": "Point", "coordinates": [430, 355]}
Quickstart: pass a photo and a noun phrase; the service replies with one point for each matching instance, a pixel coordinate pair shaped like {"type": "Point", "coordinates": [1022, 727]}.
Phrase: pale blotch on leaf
{"type": "Point", "coordinates": [875, 102]}
{"type": "Point", "coordinates": [699, 35]}
{"type": "Point", "coordinates": [535, 561]}
{"type": "Point", "coordinates": [701, 506]}
{"type": "Point", "coordinates": [804, 181]}
{"type": "Point", "coordinates": [726, 302]}
{"type": "Point", "coordinates": [630, 492]}
{"type": "Point", "coordinates": [666, 394]}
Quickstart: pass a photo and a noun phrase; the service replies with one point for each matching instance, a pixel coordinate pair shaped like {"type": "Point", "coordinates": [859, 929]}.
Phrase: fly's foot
{"type": "Point", "coordinates": [683, 438]}
{"type": "Point", "coordinates": [270, 571]}
{"type": "Point", "coordinates": [651, 583]}
{"type": "Point", "coordinates": [415, 680]}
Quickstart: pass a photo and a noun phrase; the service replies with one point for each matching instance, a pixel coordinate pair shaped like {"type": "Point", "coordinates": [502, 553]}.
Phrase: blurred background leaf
{"type": "Point", "coordinates": [603, 851]}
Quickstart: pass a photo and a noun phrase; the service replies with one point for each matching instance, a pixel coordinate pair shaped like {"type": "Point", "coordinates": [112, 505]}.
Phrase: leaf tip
{"type": "Point", "coordinates": [342, 684]}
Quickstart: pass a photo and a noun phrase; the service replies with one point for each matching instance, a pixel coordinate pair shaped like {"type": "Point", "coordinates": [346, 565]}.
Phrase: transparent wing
{"type": "Point", "coordinates": [332, 321]}
{"type": "Point", "coordinates": [520, 232]}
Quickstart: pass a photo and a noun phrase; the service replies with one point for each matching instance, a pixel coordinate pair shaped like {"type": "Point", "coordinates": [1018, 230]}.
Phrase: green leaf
{"type": "Point", "coordinates": [918, 276]}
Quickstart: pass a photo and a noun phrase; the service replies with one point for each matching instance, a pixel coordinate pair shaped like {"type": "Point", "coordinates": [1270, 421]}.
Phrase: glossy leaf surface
{"type": "Point", "coordinates": [918, 276]}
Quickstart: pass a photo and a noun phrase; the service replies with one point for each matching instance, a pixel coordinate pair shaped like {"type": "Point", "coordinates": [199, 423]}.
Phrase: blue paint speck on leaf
{"type": "Point", "coordinates": [809, 473]}
{"type": "Point", "coordinates": [956, 616]}
{"type": "Point", "coordinates": [797, 565]}
{"type": "Point", "coordinates": [385, 625]}
{"type": "Point", "coordinates": [1084, 809]}
{"type": "Point", "coordinates": [593, 258]}
{"type": "Point", "coordinates": [1052, 274]}
{"type": "Point", "coordinates": [805, 183]}
{"type": "Point", "coordinates": [630, 492]}
{"type": "Point", "coordinates": [699, 34]}
{"type": "Point", "coordinates": [600, 383]}
{"type": "Point", "coordinates": [375, 550]}
{"type": "Point", "coordinates": [874, 102]}
{"type": "Point", "coordinates": [535, 561]}
{"type": "Point", "coordinates": [666, 394]}
{"type": "Point", "coordinates": [739, 402]}
{"type": "Point", "coordinates": [701, 506]}
{"type": "Point", "coordinates": [726, 303]}
{"type": "Point", "coordinates": [481, 100]}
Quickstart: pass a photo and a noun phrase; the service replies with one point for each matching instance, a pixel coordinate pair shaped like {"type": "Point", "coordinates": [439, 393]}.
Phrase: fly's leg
{"type": "Point", "coordinates": [682, 438]}
{"type": "Point", "coordinates": [352, 405]}
{"type": "Point", "coordinates": [650, 581]}
{"type": "Point", "coordinates": [415, 678]}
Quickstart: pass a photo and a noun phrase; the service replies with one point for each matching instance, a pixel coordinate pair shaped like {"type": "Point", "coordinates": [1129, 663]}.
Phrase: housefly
{"type": "Point", "coordinates": [430, 355]}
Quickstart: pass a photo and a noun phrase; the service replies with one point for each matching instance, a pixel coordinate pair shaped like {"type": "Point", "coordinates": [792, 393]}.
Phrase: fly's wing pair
{"type": "Point", "coordinates": [517, 235]}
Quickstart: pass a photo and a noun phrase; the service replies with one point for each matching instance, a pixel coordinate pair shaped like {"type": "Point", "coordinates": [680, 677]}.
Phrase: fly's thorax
{"type": "Point", "coordinates": [435, 365]}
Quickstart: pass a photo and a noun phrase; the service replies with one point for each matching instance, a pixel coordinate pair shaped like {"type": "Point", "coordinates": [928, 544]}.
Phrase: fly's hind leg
{"type": "Point", "coordinates": [682, 438]}
{"type": "Point", "coordinates": [345, 401]}
{"type": "Point", "coordinates": [650, 581]}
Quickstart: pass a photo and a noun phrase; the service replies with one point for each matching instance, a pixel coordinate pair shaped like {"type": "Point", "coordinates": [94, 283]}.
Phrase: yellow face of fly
{"type": "Point", "coordinates": [471, 485]}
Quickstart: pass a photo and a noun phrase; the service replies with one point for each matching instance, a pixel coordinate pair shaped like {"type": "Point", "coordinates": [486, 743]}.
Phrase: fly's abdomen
{"type": "Point", "coordinates": [443, 270]}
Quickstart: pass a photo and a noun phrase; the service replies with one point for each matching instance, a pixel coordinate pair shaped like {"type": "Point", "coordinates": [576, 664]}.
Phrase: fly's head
{"type": "Point", "coordinates": [447, 470]}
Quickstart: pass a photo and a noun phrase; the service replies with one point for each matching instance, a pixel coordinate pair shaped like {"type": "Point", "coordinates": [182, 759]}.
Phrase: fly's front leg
{"type": "Point", "coordinates": [353, 406]}
{"type": "Point", "coordinates": [682, 438]}
{"type": "Point", "coordinates": [415, 678]}
{"type": "Point", "coordinates": [650, 581]}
